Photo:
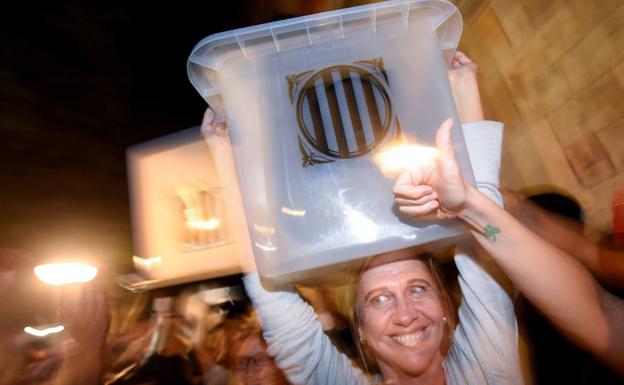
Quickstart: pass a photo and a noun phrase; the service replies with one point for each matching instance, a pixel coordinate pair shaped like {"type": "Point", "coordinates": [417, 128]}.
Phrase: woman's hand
{"type": "Point", "coordinates": [436, 188]}
{"type": "Point", "coordinates": [463, 69]}
{"type": "Point", "coordinates": [209, 127]}
{"type": "Point", "coordinates": [463, 79]}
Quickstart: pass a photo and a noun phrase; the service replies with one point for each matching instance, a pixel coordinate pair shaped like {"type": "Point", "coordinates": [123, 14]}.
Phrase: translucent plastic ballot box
{"type": "Point", "coordinates": [182, 227]}
{"type": "Point", "coordinates": [314, 104]}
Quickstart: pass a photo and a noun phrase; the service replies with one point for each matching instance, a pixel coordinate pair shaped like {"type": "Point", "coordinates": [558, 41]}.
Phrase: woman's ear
{"type": "Point", "coordinates": [447, 340]}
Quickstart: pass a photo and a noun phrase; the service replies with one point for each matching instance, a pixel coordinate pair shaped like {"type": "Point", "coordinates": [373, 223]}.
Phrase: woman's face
{"type": "Point", "coordinates": [254, 366]}
{"type": "Point", "coordinates": [402, 318]}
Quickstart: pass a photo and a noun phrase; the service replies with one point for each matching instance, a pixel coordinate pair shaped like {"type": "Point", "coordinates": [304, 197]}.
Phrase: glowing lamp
{"type": "Point", "coordinates": [64, 273]}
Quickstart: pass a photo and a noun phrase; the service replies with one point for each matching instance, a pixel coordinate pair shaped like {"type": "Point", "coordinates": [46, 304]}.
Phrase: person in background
{"type": "Point", "coordinates": [237, 345]}
{"type": "Point", "coordinates": [73, 357]}
{"type": "Point", "coordinates": [557, 217]}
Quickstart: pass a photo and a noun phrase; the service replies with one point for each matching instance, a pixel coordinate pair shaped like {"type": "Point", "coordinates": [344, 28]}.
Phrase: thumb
{"type": "Point", "coordinates": [443, 139]}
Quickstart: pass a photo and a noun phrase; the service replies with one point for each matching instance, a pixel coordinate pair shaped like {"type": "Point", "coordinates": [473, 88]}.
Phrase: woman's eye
{"type": "Point", "coordinates": [380, 300]}
{"type": "Point", "coordinates": [417, 291]}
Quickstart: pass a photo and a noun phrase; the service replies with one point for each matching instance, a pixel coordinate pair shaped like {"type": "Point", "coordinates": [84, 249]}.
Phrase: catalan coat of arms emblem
{"type": "Point", "coordinates": [343, 111]}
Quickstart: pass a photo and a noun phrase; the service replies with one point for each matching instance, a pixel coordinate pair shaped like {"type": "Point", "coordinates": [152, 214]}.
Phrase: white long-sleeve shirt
{"type": "Point", "coordinates": [485, 342]}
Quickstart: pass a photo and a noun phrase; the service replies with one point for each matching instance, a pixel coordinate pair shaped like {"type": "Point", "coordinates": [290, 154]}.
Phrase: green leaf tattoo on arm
{"type": "Point", "coordinates": [490, 232]}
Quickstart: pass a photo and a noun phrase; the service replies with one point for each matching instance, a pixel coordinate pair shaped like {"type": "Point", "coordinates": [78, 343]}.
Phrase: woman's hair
{"type": "Point", "coordinates": [226, 339]}
{"type": "Point", "coordinates": [448, 307]}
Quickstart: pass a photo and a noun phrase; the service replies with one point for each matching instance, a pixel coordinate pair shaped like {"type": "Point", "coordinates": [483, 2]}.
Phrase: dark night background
{"type": "Point", "coordinates": [79, 84]}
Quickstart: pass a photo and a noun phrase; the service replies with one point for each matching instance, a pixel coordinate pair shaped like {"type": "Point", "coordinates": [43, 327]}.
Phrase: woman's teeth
{"type": "Point", "coordinates": [410, 339]}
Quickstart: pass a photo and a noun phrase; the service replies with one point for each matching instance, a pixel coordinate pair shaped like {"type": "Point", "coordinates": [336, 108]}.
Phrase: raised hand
{"type": "Point", "coordinates": [209, 127]}
{"type": "Point", "coordinates": [435, 188]}
{"type": "Point", "coordinates": [463, 79]}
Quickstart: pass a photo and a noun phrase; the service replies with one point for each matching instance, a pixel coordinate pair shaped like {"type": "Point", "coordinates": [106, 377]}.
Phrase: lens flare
{"type": "Point", "coordinates": [203, 224]}
{"type": "Point", "coordinates": [43, 332]}
{"type": "Point", "coordinates": [405, 157]}
{"type": "Point", "coordinates": [64, 273]}
{"type": "Point", "coordinates": [293, 212]}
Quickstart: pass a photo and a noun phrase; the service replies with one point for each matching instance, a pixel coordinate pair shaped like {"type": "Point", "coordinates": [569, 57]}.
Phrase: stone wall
{"type": "Point", "coordinates": [553, 71]}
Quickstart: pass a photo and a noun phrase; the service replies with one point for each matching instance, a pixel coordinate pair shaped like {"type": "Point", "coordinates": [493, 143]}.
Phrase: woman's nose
{"type": "Point", "coordinates": [405, 313]}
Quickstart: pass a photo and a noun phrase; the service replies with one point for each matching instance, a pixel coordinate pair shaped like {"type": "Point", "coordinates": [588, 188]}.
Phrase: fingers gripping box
{"type": "Point", "coordinates": [311, 103]}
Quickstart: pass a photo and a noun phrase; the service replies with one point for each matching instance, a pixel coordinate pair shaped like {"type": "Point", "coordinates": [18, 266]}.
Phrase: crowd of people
{"type": "Point", "coordinates": [407, 320]}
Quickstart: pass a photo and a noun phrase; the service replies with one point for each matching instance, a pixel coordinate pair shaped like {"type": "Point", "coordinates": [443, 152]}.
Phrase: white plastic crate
{"type": "Point", "coordinates": [182, 226]}
{"type": "Point", "coordinates": [310, 103]}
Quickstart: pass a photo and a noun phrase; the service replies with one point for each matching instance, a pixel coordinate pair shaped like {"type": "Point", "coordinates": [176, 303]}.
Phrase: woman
{"type": "Point", "coordinates": [403, 321]}
{"type": "Point", "coordinates": [556, 283]}
{"type": "Point", "coordinates": [237, 345]}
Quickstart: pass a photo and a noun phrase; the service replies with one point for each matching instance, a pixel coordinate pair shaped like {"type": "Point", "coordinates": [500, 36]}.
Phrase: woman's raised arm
{"type": "Point", "coordinates": [555, 282]}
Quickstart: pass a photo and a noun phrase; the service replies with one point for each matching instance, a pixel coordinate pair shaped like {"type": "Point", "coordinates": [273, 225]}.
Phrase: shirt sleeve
{"type": "Point", "coordinates": [485, 342]}
{"type": "Point", "coordinates": [296, 340]}
{"type": "Point", "coordinates": [484, 141]}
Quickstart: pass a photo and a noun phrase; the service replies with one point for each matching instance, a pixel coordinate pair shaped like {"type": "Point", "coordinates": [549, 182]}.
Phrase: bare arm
{"type": "Point", "coordinates": [554, 281]}
{"type": "Point", "coordinates": [464, 85]}
{"type": "Point", "coordinates": [290, 327]}
{"type": "Point", "coordinates": [607, 265]}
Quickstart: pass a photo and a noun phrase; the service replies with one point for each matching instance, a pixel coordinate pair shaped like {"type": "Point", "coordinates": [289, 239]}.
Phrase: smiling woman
{"type": "Point", "coordinates": [403, 306]}
{"type": "Point", "coordinates": [403, 318]}
{"type": "Point", "coordinates": [404, 326]}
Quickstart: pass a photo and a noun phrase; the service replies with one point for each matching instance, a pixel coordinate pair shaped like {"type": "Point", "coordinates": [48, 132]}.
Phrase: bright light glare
{"type": "Point", "coordinates": [264, 230]}
{"type": "Point", "coordinates": [405, 157]}
{"type": "Point", "coordinates": [265, 247]}
{"type": "Point", "coordinates": [146, 263]}
{"type": "Point", "coordinates": [203, 224]}
{"type": "Point", "coordinates": [43, 332]}
{"type": "Point", "coordinates": [64, 273]}
{"type": "Point", "coordinates": [293, 212]}
{"type": "Point", "coordinates": [361, 226]}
